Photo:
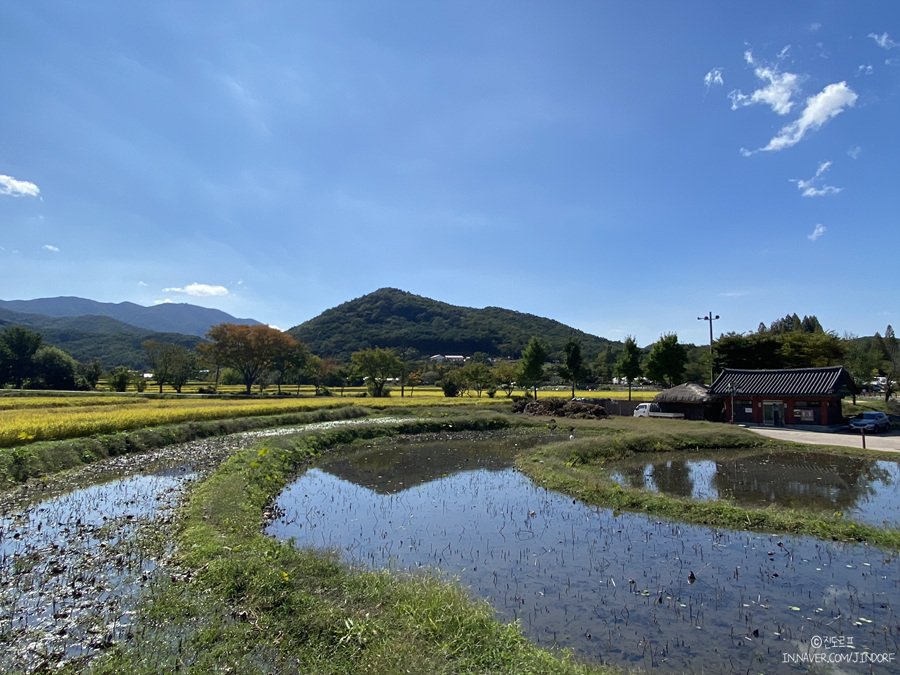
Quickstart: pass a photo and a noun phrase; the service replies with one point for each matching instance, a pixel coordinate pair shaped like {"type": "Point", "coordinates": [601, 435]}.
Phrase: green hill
{"type": "Point", "coordinates": [399, 320]}
{"type": "Point", "coordinates": [87, 337]}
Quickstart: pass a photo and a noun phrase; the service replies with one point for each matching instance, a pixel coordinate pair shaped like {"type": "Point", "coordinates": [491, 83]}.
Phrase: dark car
{"type": "Point", "coordinates": [871, 421]}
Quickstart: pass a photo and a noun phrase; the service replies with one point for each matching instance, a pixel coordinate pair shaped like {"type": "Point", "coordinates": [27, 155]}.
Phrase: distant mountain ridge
{"type": "Point", "coordinates": [396, 319]}
{"type": "Point", "coordinates": [95, 337]}
{"type": "Point", "coordinates": [163, 318]}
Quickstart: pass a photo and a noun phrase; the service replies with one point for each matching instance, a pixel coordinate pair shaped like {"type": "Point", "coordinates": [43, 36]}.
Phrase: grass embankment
{"type": "Point", "coordinates": [580, 468]}
{"type": "Point", "coordinates": [43, 458]}
{"type": "Point", "coordinates": [256, 605]}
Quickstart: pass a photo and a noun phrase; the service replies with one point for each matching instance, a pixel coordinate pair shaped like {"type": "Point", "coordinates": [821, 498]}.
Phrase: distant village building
{"type": "Point", "coordinates": [796, 396]}
{"type": "Point", "coordinates": [448, 358]}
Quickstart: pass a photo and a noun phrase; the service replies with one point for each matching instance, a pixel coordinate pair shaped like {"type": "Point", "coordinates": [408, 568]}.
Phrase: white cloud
{"type": "Point", "coordinates": [813, 27]}
{"type": "Point", "coordinates": [165, 301]}
{"type": "Point", "coordinates": [713, 78]}
{"type": "Point", "coordinates": [142, 283]}
{"type": "Point", "coordinates": [776, 94]}
{"type": "Point", "coordinates": [810, 188]}
{"type": "Point", "coordinates": [854, 151]}
{"type": "Point", "coordinates": [884, 41]}
{"type": "Point", "coordinates": [18, 188]}
{"type": "Point", "coordinates": [50, 247]}
{"type": "Point", "coordinates": [828, 103]}
{"type": "Point", "coordinates": [865, 70]}
{"type": "Point", "coordinates": [199, 290]}
{"type": "Point", "coordinates": [817, 232]}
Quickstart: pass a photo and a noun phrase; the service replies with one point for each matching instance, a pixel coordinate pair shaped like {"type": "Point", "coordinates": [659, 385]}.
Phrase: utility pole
{"type": "Point", "coordinates": [710, 318]}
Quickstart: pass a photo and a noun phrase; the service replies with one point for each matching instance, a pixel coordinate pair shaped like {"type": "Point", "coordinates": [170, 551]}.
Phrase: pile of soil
{"type": "Point", "coordinates": [561, 407]}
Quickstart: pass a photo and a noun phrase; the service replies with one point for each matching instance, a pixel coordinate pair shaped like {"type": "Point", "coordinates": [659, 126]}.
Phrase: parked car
{"type": "Point", "coordinates": [871, 421]}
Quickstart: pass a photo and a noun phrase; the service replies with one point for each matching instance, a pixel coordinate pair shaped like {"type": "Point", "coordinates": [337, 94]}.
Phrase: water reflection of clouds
{"type": "Point", "coordinates": [860, 488]}
{"type": "Point", "coordinates": [613, 587]}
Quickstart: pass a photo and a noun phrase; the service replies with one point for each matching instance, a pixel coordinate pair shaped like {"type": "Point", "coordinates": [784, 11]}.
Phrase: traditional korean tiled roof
{"type": "Point", "coordinates": [791, 382]}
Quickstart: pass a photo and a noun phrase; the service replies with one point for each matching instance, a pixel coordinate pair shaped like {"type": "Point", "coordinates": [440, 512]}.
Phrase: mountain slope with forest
{"type": "Point", "coordinates": [88, 337]}
{"type": "Point", "coordinates": [167, 317]}
{"type": "Point", "coordinates": [396, 319]}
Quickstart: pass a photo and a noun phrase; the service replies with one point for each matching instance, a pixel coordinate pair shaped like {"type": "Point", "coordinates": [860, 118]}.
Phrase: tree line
{"type": "Point", "coordinates": [261, 355]}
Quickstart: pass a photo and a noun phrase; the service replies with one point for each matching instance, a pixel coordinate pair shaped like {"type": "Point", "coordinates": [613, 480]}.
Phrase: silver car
{"type": "Point", "coordinates": [871, 422]}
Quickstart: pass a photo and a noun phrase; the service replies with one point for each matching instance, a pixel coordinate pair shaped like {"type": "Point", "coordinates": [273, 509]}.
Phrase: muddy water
{"type": "Point", "coordinates": [615, 588]}
{"type": "Point", "coordinates": [77, 550]}
{"type": "Point", "coordinates": [863, 489]}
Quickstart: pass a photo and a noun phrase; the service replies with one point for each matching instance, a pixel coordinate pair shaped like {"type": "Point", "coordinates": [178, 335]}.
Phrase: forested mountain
{"type": "Point", "coordinates": [392, 318]}
{"type": "Point", "coordinates": [163, 318]}
{"type": "Point", "coordinates": [87, 337]}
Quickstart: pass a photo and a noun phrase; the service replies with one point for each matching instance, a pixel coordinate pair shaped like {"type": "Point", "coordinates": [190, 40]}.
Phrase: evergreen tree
{"type": "Point", "coordinates": [572, 368]}
{"type": "Point", "coordinates": [628, 364]}
{"type": "Point", "coordinates": [531, 366]}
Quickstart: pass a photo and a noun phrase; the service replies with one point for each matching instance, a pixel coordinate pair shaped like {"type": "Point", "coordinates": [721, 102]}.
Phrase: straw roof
{"type": "Point", "coordinates": [684, 393]}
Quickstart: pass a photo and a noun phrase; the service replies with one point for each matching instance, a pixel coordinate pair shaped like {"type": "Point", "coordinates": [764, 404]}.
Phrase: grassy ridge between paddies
{"type": "Point", "coordinates": [580, 467]}
{"type": "Point", "coordinates": [34, 460]}
{"type": "Point", "coordinates": [30, 422]}
{"type": "Point", "coordinates": [257, 605]}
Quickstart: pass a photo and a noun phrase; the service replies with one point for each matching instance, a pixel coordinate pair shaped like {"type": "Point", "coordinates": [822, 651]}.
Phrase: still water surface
{"type": "Point", "coordinates": [862, 489]}
{"type": "Point", "coordinates": [622, 588]}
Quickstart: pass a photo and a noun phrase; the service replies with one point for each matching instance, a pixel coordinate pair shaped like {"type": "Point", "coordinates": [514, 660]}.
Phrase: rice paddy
{"type": "Point", "coordinates": [617, 588]}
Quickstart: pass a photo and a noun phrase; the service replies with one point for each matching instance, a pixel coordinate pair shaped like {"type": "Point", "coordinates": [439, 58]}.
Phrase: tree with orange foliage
{"type": "Point", "coordinates": [250, 350]}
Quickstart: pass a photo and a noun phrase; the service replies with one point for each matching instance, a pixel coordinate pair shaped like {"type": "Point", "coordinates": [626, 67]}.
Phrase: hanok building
{"type": "Point", "coordinates": [797, 396]}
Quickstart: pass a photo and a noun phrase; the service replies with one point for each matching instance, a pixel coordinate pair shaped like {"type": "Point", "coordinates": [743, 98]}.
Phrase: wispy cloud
{"type": "Point", "coordinates": [733, 294]}
{"type": "Point", "coordinates": [50, 247]}
{"type": "Point", "coordinates": [865, 70]}
{"type": "Point", "coordinates": [199, 290]}
{"type": "Point", "coordinates": [817, 232]}
{"type": "Point", "coordinates": [884, 41]}
{"type": "Point", "coordinates": [854, 151]}
{"type": "Point", "coordinates": [778, 92]}
{"type": "Point", "coordinates": [828, 103]}
{"type": "Point", "coordinates": [142, 283]}
{"type": "Point", "coordinates": [811, 187]}
{"type": "Point", "coordinates": [713, 78]}
{"type": "Point", "coordinates": [18, 188]}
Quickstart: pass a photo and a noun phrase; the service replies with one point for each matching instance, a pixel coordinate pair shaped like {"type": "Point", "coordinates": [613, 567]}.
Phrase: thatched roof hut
{"type": "Point", "coordinates": [692, 400]}
{"type": "Point", "coordinates": [684, 393]}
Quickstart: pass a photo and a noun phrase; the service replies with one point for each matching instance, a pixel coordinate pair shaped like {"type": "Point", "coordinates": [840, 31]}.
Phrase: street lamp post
{"type": "Point", "coordinates": [710, 318]}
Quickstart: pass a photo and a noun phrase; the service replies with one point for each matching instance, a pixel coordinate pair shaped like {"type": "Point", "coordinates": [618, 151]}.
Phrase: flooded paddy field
{"type": "Point", "coordinates": [77, 550]}
{"type": "Point", "coordinates": [616, 588]}
{"type": "Point", "coordinates": [862, 489]}
{"type": "Point", "coordinates": [75, 553]}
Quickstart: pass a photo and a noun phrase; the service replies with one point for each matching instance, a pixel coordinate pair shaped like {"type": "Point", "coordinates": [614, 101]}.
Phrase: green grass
{"type": "Point", "coordinates": [579, 468]}
{"type": "Point", "coordinates": [47, 457]}
{"type": "Point", "coordinates": [256, 605]}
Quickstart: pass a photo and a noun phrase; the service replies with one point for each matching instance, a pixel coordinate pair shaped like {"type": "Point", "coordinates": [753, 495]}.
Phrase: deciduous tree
{"type": "Point", "coordinates": [18, 346]}
{"type": "Point", "coordinates": [505, 377]}
{"type": "Point", "coordinates": [377, 366]}
{"type": "Point", "coordinates": [250, 350]}
{"type": "Point", "coordinates": [666, 360]}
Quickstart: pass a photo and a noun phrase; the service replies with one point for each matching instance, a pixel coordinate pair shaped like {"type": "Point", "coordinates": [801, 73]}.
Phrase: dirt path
{"type": "Point", "coordinates": [889, 442]}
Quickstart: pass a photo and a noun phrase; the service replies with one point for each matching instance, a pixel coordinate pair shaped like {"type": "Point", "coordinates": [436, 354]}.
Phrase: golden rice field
{"type": "Point", "coordinates": [25, 419]}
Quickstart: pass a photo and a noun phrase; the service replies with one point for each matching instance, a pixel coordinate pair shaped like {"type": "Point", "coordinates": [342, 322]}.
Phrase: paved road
{"type": "Point", "coordinates": [889, 442]}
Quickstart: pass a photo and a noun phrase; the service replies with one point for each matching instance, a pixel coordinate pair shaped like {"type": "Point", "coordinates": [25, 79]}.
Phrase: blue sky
{"type": "Point", "coordinates": [621, 167]}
